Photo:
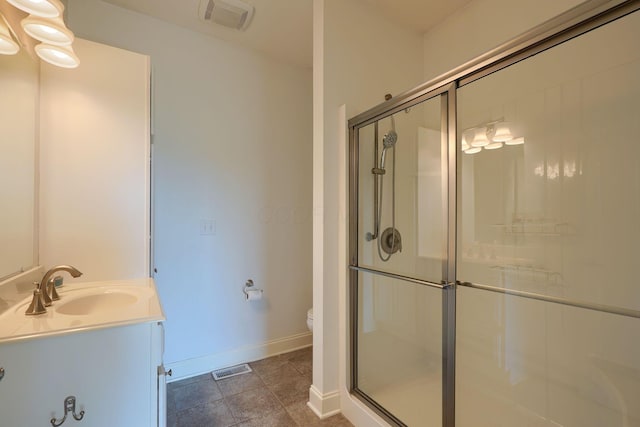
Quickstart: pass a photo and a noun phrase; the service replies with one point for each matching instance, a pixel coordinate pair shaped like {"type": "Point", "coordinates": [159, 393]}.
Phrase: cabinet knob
{"type": "Point", "coordinates": [170, 372]}
{"type": "Point", "coordinates": [1, 373]}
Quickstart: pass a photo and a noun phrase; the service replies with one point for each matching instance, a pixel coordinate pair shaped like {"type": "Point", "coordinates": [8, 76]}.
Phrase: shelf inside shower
{"type": "Point", "coordinates": [535, 228]}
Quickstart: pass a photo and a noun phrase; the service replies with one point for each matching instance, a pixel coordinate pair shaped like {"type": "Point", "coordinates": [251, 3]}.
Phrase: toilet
{"type": "Point", "coordinates": [310, 319]}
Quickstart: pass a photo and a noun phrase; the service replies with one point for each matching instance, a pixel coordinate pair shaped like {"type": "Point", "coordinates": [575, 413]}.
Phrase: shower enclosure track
{"type": "Point", "coordinates": [398, 276]}
{"type": "Point", "coordinates": [602, 308]}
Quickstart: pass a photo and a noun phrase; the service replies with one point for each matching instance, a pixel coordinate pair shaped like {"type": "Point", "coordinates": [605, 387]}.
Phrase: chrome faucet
{"type": "Point", "coordinates": [45, 291]}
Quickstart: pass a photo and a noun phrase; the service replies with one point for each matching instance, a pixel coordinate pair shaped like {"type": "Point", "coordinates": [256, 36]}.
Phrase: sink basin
{"type": "Point", "coordinates": [83, 306]}
{"type": "Point", "coordinates": [96, 303]}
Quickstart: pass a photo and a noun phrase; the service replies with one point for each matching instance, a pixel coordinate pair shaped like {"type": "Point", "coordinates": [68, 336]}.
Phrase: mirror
{"type": "Point", "coordinates": [19, 86]}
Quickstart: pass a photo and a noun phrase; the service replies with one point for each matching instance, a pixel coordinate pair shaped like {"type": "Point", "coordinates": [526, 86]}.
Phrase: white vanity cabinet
{"type": "Point", "coordinates": [112, 372]}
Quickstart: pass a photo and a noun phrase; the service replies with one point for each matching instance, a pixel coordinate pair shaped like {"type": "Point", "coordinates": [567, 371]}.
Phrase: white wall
{"type": "Point", "coordinates": [358, 58]}
{"type": "Point", "coordinates": [480, 26]}
{"type": "Point", "coordinates": [94, 157]}
{"type": "Point", "coordinates": [232, 143]}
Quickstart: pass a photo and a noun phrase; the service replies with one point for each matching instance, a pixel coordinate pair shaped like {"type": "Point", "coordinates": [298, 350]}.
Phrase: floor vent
{"type": "Point", "coordinates": [220, 374]}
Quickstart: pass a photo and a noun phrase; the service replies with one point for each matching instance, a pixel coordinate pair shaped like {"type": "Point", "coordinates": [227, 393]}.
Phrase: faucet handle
{"type": "Point", "coordinates": [36, 306]}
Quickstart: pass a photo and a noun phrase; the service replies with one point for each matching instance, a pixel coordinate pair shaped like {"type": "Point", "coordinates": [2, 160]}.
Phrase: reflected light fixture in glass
{"type": "Point", "coordinates": [49, 31]}
{"type": "Point", "coordinates": [515, 141]}
{"type": "Point", "coordinates": [8, 45]}
{"type": "Point", "coordinates": [480, 138]}
{"type": "Point", "coordinates": [502, 132]}
{"type": "Point", "coordinates": [41, 8]}
{"type": "Point", "coordinates": [493, 146]}
{"type": "Point", "coordinates": [473, 150]}
{"type": "Point", "coordinates": [61, 56]}
{"type": "Point", "coordinates": [466, 136]}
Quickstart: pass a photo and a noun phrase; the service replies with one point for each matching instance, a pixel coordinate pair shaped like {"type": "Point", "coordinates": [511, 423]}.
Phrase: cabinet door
{"type": "Point", "coordinates": [108, 371]}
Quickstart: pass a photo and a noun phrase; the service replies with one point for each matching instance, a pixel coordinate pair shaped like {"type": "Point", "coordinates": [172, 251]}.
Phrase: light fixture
{"type": "Point", "coordinates": [493, 146]}
{"type": "Point", "coordinates": [466, 136]}
{"type": "Point", "coordinates": [502, 132]}
{"type": "Point", "coordinates": [489, 135]}
{"type": "Point", "coordinates": [61, 56]}
{"type": "Point", "coordinates": [480, 137]}
{"type": "Point", "coordinates": [50, 31]}
{"type": "Point", "coordinates": [41, 8]}
{"type": "Point", "coordinates": [515, 141]}
{"type": "Point", "coordinates": [44, 24]}
{"type": "Point", "coordinates": [8, 45]}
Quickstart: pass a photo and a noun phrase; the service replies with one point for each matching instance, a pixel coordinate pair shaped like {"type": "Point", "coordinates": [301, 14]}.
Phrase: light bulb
{"type": "Point", "coordinates": [49, 31]}
{"type": "Point", "coordinates": [61, 56]}
{"type": "Point", "coordinates": [41, 8]}
{"type": "Point", "coordinates": [473, 150]}
{"type": "Point", "coordinates": [8, 45]}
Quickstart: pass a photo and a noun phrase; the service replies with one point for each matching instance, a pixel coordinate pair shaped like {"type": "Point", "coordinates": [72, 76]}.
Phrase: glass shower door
{"type": "Point", "coordinates": [399, 271]}
{"type": "Point", "coordinates": [549, 306]}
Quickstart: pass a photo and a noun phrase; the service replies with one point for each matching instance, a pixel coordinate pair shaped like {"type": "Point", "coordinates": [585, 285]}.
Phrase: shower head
{"type": "Point", "coordinates": [390, 139]}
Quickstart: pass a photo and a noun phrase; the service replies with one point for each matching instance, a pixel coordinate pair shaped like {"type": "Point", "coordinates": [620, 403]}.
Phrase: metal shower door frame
{"type": "Point", "coordinates": [447, 95]}
{"type": "Point", "coordinates": [573, 23]}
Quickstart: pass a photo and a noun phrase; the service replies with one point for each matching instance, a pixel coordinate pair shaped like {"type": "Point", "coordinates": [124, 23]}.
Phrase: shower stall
{"type": "Point", "coordinates": [494, 238]}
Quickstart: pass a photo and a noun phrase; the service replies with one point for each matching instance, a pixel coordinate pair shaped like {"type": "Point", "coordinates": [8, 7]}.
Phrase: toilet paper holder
{"type": "Point", "coordinates": [249, 288]}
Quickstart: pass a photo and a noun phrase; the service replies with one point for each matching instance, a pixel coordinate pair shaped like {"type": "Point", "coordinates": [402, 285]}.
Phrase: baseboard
{"type": "Point", "coordinates": [201, 365]}
{"type": "Point", "coordinates": [324, 405]}
{"type": "Point", "coordinates": [358, 413]}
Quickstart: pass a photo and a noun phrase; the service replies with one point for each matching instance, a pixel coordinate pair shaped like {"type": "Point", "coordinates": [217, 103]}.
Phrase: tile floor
{"type": "Point", "coordinates": [275, 394]}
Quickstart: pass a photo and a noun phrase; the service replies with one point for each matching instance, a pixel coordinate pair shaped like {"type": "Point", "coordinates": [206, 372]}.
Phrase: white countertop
{"type": "Point", "coordinates": [16, 326]}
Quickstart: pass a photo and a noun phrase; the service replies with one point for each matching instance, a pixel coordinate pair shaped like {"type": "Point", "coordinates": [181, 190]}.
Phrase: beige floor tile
{"type": "Point", "coordinates": [251, 404]}
{"type": "Point", "coordinates": [277, 419]}
{"type": "Point", "coordinates": [214, 413]}
{"type": "Point", "coordinates": [239, 383]}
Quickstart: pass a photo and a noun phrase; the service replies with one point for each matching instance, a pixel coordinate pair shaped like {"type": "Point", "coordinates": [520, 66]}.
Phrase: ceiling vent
{"type": "Point", "coordinates": [230, 13]}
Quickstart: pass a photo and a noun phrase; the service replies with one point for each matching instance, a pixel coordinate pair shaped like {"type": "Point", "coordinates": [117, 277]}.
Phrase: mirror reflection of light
{"type": "Point", "coordinates": [465, 141]}
{"type": "Point", "coordinates": [473, 150]}
{"type": "Point", "coordinates": [553, 171]}
{"type": "Point", "coordinates": [480, 138]}
{"type": "Point", "coordinates": [515, 141]}
{"type": "Point", "coordinates": [570, 169]}
{"type": "Point", "coordinates": [502, 132]}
